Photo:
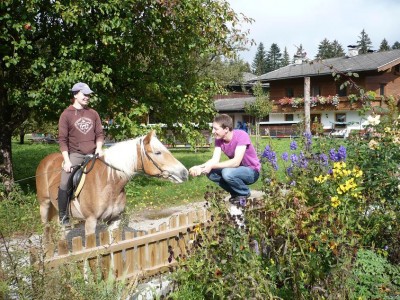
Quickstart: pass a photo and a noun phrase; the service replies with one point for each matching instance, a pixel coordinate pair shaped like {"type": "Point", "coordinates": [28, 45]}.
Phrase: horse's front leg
{"type": "Point", "coordinates": [90, 225]}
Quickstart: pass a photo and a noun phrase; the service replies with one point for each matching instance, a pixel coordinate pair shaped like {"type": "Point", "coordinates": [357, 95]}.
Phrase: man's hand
{"type": "Point", "coordinates": [196, 170]}
{"type": "Point", "coordinates": [67, 166]}
{"type": "Point", "coordinates": [99, 152]}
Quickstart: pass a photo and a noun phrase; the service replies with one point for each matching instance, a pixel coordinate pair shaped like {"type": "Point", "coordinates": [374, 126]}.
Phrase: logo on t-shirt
{"type": "Point", "coordinates": [84, 125]}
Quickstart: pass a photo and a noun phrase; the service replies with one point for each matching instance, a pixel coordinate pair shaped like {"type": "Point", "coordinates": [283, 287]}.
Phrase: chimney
{"type": "Point", "coordinates": [352, 50]}
{"type": "Point", "coordinates": [300, 57]}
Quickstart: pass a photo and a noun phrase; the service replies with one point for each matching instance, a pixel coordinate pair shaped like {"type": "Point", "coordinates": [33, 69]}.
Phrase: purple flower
{"type": "Point", "coordinates": [289, 171]}
{"type": "Point", "coordinates": [333, 155]}
{"type": "Point", "coordinates": [293, 183]}
{"type": "Point", "coordinates": [293, 145]}
{"type": "Point", "coordinates": [323, 159]}
{"type": "Point", "coordinates": [285, 156]}
{"type": "Point", "coordinates": [270, 156]}
{"type": "Point", "coordinates": [308, 137]}
{"type": "Point", "coordinates": [267, 151]}
{"type": "Point", "coordinates": [294, 158]}
{"type": "Point", "coordinates": [341, 154]}
{"type": "Point", "coordinates": [303, 162]}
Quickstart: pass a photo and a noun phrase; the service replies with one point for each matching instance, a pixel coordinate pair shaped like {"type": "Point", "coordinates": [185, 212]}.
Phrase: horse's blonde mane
{"type": "Point", "coordinates": [123, 157]}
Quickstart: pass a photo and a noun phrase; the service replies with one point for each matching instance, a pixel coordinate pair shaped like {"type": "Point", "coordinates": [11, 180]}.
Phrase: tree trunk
{"type": "Point", "coordinates": [22, 136]}
{"type": "Point", "coordinates": [11, 117]}
{"type": "Point", "coordinates": [6, 170]}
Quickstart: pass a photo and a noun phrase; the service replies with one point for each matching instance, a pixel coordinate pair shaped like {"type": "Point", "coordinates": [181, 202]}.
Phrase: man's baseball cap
{"type": "Point", "coordinates": [81, 87]}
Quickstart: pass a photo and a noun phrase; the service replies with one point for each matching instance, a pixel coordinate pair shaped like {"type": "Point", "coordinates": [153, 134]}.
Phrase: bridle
{"type": "Point", "coordinates": [163, 173]}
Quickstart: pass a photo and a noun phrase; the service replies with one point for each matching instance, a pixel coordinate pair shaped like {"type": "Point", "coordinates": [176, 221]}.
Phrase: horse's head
{"type": "Point", "coordinates": [158, 161]}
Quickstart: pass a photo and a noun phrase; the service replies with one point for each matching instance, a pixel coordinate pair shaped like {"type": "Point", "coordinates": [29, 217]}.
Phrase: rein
{"type": "Point", "coordinates": [111, 166]}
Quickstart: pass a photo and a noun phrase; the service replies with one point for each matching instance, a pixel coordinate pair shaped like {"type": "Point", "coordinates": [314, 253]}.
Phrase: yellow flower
{"type": "Point", "coordinates": [357, 173]}
{"type": "Point", "coordinates": [197, 229]}
{"type": "Point", "coordinates": [387, 129]}
{"type": "Point", "coordinates": [335, 202]}
{"type": "Point", "coordinates": [321, 179]}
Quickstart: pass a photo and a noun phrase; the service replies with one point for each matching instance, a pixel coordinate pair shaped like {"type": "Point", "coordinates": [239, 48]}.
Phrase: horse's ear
{"type": "Point", "coordinates": [148, 137]}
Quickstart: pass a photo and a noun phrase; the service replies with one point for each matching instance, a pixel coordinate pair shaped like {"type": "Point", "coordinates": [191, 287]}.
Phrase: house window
{"type": "Point", "coordinates": [265, 119]}
{"type": "Point", "coordinates": [315, 118]}
{"type": "Point", "coordinates": [289, 117]}
{"type": "Point", "coordinates": [342, 92]}
{"type": "Point", "coordinates": [315, 91]}
{"type": "Point", "coordinates": [289, 92]}
{"type": "Point", "coordinates": [341, 118]}
{"type": "Point", "coordinates": [382, 89]}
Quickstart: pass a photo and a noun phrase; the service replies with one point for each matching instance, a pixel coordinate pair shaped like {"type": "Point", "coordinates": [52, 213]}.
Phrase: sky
{"type": "Point", "coordinates": [290, 23]}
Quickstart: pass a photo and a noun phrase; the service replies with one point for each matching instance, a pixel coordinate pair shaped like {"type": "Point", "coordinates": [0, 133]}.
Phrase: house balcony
{"type": "Point", "coordinates": [329, 103]}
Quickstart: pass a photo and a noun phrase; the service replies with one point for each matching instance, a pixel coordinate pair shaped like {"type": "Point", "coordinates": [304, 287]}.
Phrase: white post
{"type": "Point", "coordinates": [307, 105]}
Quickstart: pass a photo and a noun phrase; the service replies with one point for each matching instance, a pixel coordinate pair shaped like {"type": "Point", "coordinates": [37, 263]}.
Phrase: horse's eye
{"type": "Point", "coordinates": [157, 152]}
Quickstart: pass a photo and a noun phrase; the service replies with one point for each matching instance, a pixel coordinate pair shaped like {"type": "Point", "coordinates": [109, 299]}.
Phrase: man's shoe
{"type": "Point", "coordinates": [64, 221]}
{"type": "Point", "coordinates": [239, 200]}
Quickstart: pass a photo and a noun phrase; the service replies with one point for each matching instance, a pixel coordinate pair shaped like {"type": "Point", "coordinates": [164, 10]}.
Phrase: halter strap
{"type": "Point", "coordinates": [163, 173]}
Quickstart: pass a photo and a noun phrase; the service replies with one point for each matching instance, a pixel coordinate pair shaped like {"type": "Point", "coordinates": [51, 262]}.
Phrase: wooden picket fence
{"type": "Point", "coordinates": [128, 254]}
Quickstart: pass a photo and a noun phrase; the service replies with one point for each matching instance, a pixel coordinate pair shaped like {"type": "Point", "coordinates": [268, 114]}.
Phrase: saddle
{"type": "Point", "coordinates": [77, 178]}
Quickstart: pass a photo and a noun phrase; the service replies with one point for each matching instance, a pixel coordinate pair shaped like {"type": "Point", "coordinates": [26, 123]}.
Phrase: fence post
{"type": "Point", "coordinates": [130, 257]}
{"type": "Point", "coordinates": [77, 245]}
{"type": "Point", "coordinates": [90, 241]}
{"type": "Point", "coordinates": [106, 258]}
{"type": "Point", "coordinates": [118, 264]}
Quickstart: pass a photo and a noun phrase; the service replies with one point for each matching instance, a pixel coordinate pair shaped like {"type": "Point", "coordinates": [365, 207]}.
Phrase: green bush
{"type": "Point", "coordinates": [373, 277]}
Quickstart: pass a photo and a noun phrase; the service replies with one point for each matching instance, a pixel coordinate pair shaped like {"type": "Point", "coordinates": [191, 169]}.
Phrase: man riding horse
{"type": "Point", "coordinates": [80, 133]}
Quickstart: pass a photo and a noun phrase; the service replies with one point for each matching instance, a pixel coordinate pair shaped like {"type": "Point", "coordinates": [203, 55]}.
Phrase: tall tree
{"type": "Point", "coordinates": [384, 45]}
{"type": "Point", "coordinates": [337, 49]}
{"type": "Point", "coordinates": [137, 55]}
{"type": "Point", "coordinates": [396, 45]}
{"type": "Point", "coordinates": [259, 109]}
{"type": "Point", "coordinates": [226, 71]}
{"type": "Point", "coordinates": [364, 42]}
{"type": "Point", "coordinates": [324, 49]}
{"type": "Point", "coordinates": [274, 58]}
{"type": "Point", "coordinates": [285, 58]}
{"type": "Point", "coordinates": [259, 64]}
{"type": "Point", "coordinates": [327, 49]}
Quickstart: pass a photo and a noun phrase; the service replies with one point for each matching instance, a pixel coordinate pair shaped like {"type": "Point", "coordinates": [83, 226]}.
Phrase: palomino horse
{"type": "Point", "coordinates": [103, 196]}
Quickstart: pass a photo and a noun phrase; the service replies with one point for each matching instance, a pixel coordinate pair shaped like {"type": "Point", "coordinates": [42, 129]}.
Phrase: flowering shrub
{"type": "Point", "coordinates": [378, 155]}
{"type": "Point", "coordinates": [329, 206]}
{"type": "Point", "coordinates": [314, 101]}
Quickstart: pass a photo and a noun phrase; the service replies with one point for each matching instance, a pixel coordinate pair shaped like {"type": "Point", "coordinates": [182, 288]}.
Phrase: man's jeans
{"type": "Point", "coordinates": [234, 180]}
